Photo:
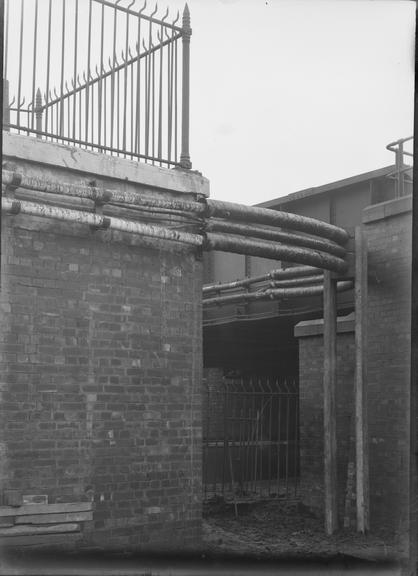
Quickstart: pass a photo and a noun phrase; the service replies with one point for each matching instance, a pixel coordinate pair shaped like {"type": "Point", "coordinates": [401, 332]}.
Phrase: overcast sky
{"type": "Point", "coordinates": [285, 94]}
{"type": "Point", "coordinates": [289, 94]}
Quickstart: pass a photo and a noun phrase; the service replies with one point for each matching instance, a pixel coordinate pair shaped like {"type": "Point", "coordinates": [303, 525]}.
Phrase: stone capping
{"type": "Point", "coordinates": [20, 147]}
{"type": "Point", "coordinates": [387, 209]}
{"type": "Point", "coordinates": [316, 327]}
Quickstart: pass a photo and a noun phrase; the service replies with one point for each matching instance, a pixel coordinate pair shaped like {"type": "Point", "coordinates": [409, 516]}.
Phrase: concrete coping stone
{"type": "Point", "coordinates": [29, 149]}
{"type": "Point", "coordinates": [387, 209]}
{"type": "Point", "coordinates": [316, 327]}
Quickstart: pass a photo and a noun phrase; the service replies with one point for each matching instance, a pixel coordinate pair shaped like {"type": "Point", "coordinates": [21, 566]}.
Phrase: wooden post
{"type": "Point", "coordinates": [330, 432]}
{"type": "Point", "coordinates": [360, 395]}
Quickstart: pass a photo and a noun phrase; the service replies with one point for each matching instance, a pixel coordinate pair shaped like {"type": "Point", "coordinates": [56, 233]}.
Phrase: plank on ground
{"type": "Point", "coordinates": [39, 540]}
{"type": "Point", "coordinates": [54, 518]}
{"type": "Point", "coordinates": [30, 509]}
{"type": "Point", "coordinates": [28, 530]}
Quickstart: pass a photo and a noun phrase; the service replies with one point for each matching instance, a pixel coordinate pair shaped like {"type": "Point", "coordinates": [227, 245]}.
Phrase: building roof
{"type": "Point", "coordinates": [307, 192]}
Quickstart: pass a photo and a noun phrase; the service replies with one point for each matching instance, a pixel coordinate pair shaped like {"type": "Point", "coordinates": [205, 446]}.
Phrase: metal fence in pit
{"type": "Point", "coordinates": [251, 439]}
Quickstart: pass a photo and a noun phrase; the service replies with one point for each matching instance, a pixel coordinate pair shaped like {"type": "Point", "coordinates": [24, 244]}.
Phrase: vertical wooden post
{"type": "Point", "coordinates": [360, 395]}
{"type": "Point", "coordinates": [330, 380]}
{"type": "Point", "coordinates": [186, 33]}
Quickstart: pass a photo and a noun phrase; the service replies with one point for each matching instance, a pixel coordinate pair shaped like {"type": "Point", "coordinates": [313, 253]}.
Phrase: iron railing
{"type": "Point", "coordinates": [251, 439]}
{"type": "Point", "coordinates": [402, 175]}
{"type": "Point", "coordinates": [100, 74]}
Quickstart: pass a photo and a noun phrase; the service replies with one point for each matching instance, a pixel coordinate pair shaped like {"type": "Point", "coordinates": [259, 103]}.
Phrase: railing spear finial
{"type": "Point", "coordinates": [186, 33]}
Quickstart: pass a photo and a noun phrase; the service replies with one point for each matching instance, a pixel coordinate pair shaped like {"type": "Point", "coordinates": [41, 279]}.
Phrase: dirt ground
{"type": "Point", "coordinates": [277, 529]}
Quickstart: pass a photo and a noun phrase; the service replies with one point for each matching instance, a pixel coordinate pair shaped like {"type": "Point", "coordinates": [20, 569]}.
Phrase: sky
{"type": "Point", "coordinates": [285, 94]}
{"type": "Point", "coordinates": [291, 94]}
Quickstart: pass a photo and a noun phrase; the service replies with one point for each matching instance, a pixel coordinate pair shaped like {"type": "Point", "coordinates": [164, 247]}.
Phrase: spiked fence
{"type": "Point", "coordinates": [251, 439]}
{"type": "Point", "coordinates": [105, 75]}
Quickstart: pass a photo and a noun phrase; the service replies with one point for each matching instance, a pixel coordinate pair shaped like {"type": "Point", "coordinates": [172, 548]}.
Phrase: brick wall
{"type": "Point", "coordinates": [311, 411]}
{"type": "Point", "coordinates": [388, 230]}
{"type": "Point", "coordinates": [100, 352]}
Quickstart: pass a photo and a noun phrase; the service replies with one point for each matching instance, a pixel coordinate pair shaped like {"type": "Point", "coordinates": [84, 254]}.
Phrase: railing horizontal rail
{"type": "Point", "coordinates": [103, 75]}
{"type": "Point", "coordinates": [160, 22]}
{"type": "Point", "coordinates": [100, 74]}
{"type": "Point", "coordinates": [101, 147]}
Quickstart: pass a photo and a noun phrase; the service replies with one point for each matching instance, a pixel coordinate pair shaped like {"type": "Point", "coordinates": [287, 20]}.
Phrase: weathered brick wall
{"type": "Point", "coordinates": [100, 352]}
{"type": "Point", "coordinates": [388, 231]}
{"type": "Point", "coordinates": [387, 228]}
{"type": "Point", "coordinates": [311, 412]}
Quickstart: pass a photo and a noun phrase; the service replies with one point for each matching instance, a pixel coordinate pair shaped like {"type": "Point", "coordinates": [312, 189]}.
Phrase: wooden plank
{"type": "Point", "coordinates": [360, 393]}
{"type": "Point", "coordinates": [54, 518]}
{"type": "Point", "coordinates": [29, 509]}
{"type": "Point", "coordinates": [39, 540]}
{"type": "Point", "coordinates": [329, 382]}
{"type": "Point", "coordinates": [29, 530]}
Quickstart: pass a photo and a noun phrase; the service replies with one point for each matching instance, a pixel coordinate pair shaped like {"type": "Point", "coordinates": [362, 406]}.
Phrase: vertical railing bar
{"type": "Point", "coordinates": [132, 112]}
{"type": "Point", "coordinates": [171, 86]}
{"type": "Point", "coordinates": [19, 85]}
{"type": "Point", "coordinates": [112, 87]}
{"type": "Point", "coordinates": [225, 437]}
{"type": "Point", "coordinates": [118, 112]}
{"type": "Point", "coordinates": [92, 113]}
{"type": "Point", "coordinates": [61, 128]}
{"type": "Point", "coordinates": [75, 66]}
{"type": "Point", "coordinates": [160, 98]}
{"type": "Point", "coordinates": [68, 117]}
{"type": "Point", "coordinates": [57, 121]}
{"type": "Point", "coordinates": [125, 93]}
{"type": "Point", "coordinates": [153, 106]}
{"type": "Point", "coordinates": [175, 104]}
{"type": "Point", "coordinates": [35, 47]}
{"type": "Point", "coordinates": [6, 37]}
{"type": "Point", "coordinates": [185, 96]}
{"type": "Point", "coordinates": [80, 107]}
{"type": "Point", "coordinates": [138, 91]}
{"type": "Point", "coordinates": [100, 88]}
{"type": "Point", "coordinates": [52, 122]}
{"type": "Point", "coordinates": [48, 67]}
{"type": "Point", "coordinates": [169, 95]}
{"type": "Point", "coordinates": [88, 75]}
{"type": "Point", "coordinates": [147, 78]}
{"type": "Point", "coordinates": [105, 111]}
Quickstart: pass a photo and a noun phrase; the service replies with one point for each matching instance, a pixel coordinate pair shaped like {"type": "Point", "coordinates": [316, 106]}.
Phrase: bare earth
{"type": "Point", "coordinates": [278, 529]}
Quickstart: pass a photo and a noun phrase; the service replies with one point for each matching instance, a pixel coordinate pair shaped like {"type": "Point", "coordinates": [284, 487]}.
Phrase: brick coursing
{"type": "Point", "coordinates": [311, 418]}
{"type": "Point", "coordinates": [389, 325]}
{"type": "Point", "coordinates": [388, 387]}
{"type": "Point", "coordinates": [100, 354]}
